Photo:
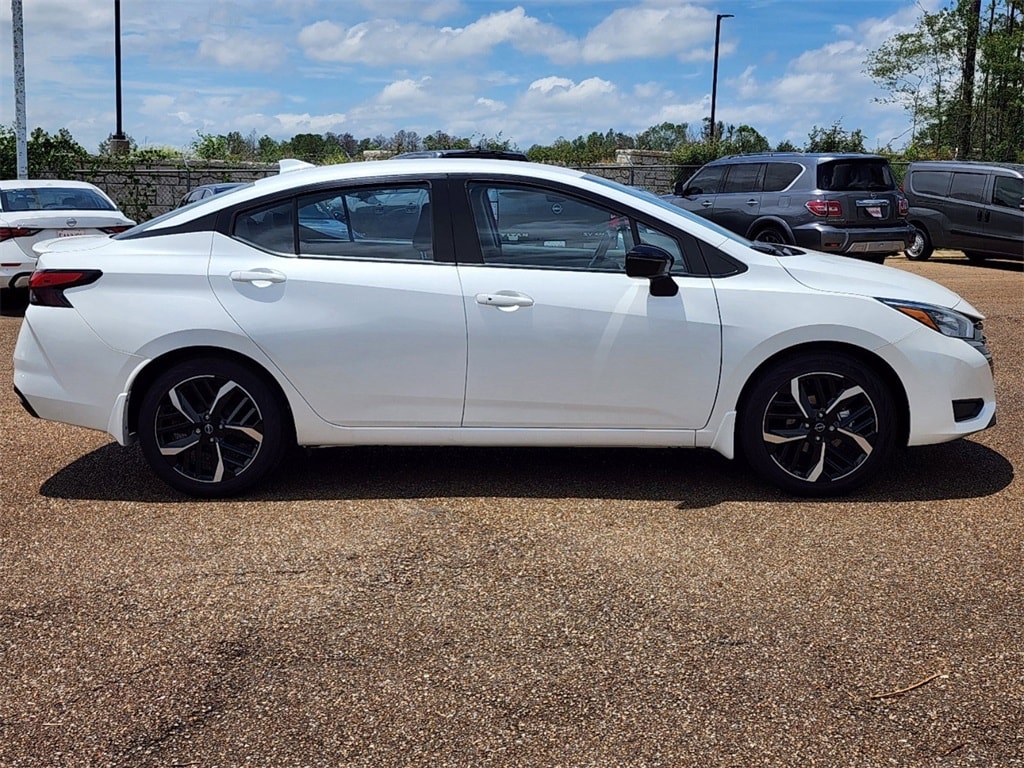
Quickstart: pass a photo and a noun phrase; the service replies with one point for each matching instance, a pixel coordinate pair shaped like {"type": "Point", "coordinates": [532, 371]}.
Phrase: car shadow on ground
{"type": "Point", "coordinates": [692, 479]}
{"type": "Point", "coordinates": [1003, 265]}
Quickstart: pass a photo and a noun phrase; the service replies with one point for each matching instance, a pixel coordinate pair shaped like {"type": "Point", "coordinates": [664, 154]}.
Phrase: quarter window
{"type": "Point", "coordinates": [778, 176]}
{"type": "Point", "coordinates": [930, 182]}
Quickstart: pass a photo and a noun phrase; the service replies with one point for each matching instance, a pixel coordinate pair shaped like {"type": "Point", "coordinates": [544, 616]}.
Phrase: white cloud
{"type": "Point", "coordinates": [242, 52]}
{"type": "Point", "coordinates": [648, 32]}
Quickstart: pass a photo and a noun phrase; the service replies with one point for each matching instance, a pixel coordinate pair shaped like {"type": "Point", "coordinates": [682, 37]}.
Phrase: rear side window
{"type": "Point", "coordinates": [930, 182]}
{"type": "Point", "coordinates": [745, 177]}
{"type": "Point", "coordinates": [778, 176]}
{"type": "Point", "coordinates": [855, 175]}
{"type": "Point", "coordinates": [968, 186]}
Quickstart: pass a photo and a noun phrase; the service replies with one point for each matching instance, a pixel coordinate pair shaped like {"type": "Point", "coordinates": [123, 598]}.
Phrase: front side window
{"type": "Point", "coordinates": [707, 181]}
{"type": "Point", "coordinates": [1008, 192]}
{"type": "Point", "coordinates": [533, 227]}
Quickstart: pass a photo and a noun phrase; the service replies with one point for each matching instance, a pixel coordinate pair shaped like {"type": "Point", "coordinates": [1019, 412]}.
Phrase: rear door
{"type": "Point", "coordinates": [366, 325]}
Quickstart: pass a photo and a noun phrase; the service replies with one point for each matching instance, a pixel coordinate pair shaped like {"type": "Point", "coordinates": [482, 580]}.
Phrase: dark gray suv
{"type": "Point", "coordinates": [977, 208]}
{"type": "Point", "coordinates": [837, 203]}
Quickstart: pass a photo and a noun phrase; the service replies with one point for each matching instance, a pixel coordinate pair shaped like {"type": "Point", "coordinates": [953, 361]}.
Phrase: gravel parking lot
{"type": "Point", "coordinates": [443, 607]}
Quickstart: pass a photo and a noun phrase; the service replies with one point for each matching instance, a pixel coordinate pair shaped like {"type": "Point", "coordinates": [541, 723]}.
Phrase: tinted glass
{"type": "Point", "coordinates": [745, 177]}
{"type": "Point", "coordinates": [528, 226]}
{"type": "Point", "coordinates": [652, 236]}
{"type": "Point", "coordinates": [778, 176]}
{"type": "Point", "coordinates": [269, 227]}
{"type": "Point", "coordinates": [368, 223]}
{"type": "Point", "coordinates": [855, 175]}
{"type": "Point", "coordinates": [707, 181]}
{"type": "Point", "coordinates": [930, 182]}
{"type": "Point", "coordinates": [1008, 192]}
{"type": "Point", "coordinates": [53, 199]}
{"type": "Point", "coordinates": [968, 186]}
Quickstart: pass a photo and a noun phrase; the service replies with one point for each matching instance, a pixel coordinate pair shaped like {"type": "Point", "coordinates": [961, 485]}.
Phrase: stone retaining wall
{"type": "Point", "coordinates": [149, 190]}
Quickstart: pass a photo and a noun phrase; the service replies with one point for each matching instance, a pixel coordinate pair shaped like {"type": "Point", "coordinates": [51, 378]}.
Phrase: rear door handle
{"type": "Point", "coordinates": [261, 278]}
{"type": "Point", "coordinates": [508, 301]}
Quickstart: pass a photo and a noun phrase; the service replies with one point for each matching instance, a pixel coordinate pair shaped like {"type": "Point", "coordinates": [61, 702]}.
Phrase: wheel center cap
{"type": "Point", "coordinates": [819, 427]}
{"type": "Point", "coordinates": [208, 429]}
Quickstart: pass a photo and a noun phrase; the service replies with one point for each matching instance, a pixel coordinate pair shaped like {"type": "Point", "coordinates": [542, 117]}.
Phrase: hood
{"type": "Point", "coordinates": [76, 243]}
{"type": "Point", "coordinates": [842, 274]}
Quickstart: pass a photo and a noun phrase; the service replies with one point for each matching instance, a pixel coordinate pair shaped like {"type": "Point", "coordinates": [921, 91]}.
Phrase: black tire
{"type": "Point", "coordinates": [211, 427]}
{"type": "Point", "coordinates": [805, 444]}
{"type": "Point", "coordinates": [920, 248]}
{"type": "Point", "coordinates": [771, 235]}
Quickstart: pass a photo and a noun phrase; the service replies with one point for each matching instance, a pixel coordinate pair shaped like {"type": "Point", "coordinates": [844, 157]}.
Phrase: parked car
{"type": "Point", "coordinates": [204, 191]}
{"type": "Point", "coordinates": [250, 331]}
{"type": "Point", "coordinates": [836, 203]}
{"type": "Point", "coordinates": [977, 208]}
{"type": "Point", "coordinates": [33, 210]}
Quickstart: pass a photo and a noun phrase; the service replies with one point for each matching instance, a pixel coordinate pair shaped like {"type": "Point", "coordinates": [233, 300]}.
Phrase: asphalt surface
{"type": "Point", "coordinates": [442, 607]}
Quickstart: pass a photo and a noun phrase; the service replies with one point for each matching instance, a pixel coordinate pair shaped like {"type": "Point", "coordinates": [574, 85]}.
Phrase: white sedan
{"type": "Point", "coordinates": [488, 303]}
{"type": "Point", "coordinates": [35, 210]}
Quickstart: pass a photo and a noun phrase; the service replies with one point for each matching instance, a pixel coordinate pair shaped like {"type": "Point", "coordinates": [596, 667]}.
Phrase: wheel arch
{"type": "Point", "coordinates": [771, 222]}
{"type": "Point", "coordinates": [864, 356]}
{"type": "Point", "coordinates": [158, 365]}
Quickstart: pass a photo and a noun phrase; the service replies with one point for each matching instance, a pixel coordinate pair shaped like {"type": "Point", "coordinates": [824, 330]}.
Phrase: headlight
{"type": "Point", "coordinates": [945, 321]}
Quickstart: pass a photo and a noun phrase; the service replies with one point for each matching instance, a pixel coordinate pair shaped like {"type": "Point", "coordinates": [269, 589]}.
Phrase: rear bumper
{"type": "Point", "coordinates": [854, 241]}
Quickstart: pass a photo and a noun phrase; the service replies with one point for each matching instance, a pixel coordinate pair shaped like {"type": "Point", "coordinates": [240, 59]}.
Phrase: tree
{"type": "Point", "coordinates": [58, 154]}
{"type": "Point", "coordinates": [834, 139]}
{"type": "Point", "coordinates": [664, 137]}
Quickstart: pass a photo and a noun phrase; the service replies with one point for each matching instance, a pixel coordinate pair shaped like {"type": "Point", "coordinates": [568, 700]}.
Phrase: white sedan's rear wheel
{"type": "Point", "coordinates": [211, 427]}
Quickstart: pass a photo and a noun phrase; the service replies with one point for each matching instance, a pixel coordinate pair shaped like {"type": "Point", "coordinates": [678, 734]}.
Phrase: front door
{"type": "Point", "coordinates": [559, 336]}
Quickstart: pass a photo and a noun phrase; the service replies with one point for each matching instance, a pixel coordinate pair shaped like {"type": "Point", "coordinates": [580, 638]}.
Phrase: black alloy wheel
{"type": "Point", "coordinates": [819, 425]}
{"type": "Point", "coordinates": [211, 428]}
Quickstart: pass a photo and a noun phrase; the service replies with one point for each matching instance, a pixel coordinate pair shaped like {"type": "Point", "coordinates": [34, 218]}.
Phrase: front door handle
{"type": "Point", "coordinates": [261, 278]}
{"type": "Point", "coordinates": [507, 301]}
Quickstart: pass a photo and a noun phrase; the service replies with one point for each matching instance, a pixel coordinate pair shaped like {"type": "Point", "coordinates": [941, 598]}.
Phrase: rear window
{"type": "Point", "coordinates": [53, 199]}
{"type": "Point", "coordinates": [856, 175]}
{"type": "Point", "coordinates": [969, 187]}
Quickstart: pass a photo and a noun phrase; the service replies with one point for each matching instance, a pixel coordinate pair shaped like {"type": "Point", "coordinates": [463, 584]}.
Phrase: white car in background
{"type": "Point", "coordinates": [484, 302]}
{"type": "Point", "coordinates": [34, 210]}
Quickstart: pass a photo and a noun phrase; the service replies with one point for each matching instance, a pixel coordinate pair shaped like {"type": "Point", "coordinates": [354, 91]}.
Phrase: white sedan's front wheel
{"type": "Point", "coordinates": [819, 425]}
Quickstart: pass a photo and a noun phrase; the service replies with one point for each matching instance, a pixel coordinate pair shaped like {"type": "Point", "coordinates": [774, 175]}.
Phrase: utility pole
{"type": "Point", "coordinates": [714, 80]}
{"type": "Point", "coordinates": [20, 129]}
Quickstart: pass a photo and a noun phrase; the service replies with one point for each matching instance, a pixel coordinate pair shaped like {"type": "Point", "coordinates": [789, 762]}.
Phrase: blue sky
{"type": "Point", "coordinates": [529, 71]}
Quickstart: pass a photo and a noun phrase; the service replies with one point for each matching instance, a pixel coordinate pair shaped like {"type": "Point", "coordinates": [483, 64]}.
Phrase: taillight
{"type": "Point", "coordinates": [115, 230]}
{"type": "Point", "coordinates": [824, 207]}
{"type": "Point", "coordinates": [47, 286]}
{"type": "Point", "coordinates": [904, 206]}
{"type": "Point", "coordinates": [9, 233]}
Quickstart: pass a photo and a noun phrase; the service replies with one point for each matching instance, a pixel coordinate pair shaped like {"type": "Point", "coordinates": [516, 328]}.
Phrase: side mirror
{"type": "Point", "coordinates": [654, 263]}
{"type": "Point", "coordinates": [678, 188]}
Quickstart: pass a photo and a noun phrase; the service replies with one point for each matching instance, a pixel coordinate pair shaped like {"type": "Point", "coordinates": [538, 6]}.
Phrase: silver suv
{"type": "Point", "coordinates": [837, 203]}
{"type": "Point", "coordinates": [977, 208]}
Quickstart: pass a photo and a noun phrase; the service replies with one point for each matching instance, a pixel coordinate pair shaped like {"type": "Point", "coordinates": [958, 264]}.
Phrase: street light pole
{"type": "Point", "coordinates": [714, 80]}
{"type": "Point", "coordinates": [118, 142]}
